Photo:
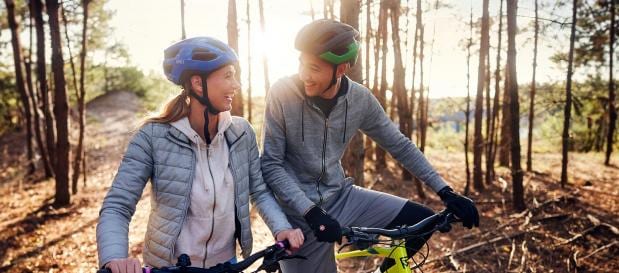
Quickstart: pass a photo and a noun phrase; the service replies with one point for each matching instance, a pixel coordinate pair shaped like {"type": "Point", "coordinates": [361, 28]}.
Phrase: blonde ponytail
{"type": "Point", "coordinates": [175, 109]}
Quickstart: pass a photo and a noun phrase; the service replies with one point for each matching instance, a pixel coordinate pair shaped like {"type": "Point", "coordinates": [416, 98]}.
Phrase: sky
{"type": "Point", "coordinates": [146, 28]}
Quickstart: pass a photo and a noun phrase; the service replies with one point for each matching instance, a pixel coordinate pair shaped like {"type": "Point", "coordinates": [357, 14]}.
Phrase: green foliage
{"type": "Point", "coordinates": [9, 107]}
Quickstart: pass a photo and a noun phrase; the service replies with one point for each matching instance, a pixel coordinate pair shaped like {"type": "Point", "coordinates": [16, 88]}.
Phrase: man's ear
{"type": "Point", "coordinates": [341, 69]}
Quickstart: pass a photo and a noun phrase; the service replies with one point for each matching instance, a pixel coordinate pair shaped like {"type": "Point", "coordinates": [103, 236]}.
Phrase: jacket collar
{"type": "Point", "coordinates": [233, 133]}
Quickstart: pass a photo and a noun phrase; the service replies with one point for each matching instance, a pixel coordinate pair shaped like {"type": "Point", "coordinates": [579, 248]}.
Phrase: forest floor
{"type": "Point", "coordinates": [563, 230]}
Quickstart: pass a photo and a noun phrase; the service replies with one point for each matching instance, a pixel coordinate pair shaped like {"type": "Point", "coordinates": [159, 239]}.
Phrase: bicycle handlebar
{"type": "Point", "coordinates": [275, 252]}
{"type": "Point", "coordinates": [440, 221]}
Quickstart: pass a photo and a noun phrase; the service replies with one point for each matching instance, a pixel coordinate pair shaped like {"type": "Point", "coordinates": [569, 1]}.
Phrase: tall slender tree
{"type": "Point", "coordinates": [497, 95]}
{"type": "Point", "coordinates": [183, 33]}
{"type": "Point", "coordinates": [62, 196]}
{"type": "Point", "coordinates": [354, 155]}
{"type": "Point", "coordinates": [418, 22]}
{"type": "Point", "coordinates": [80, 154]}
{"type": "Point", "coordinates": [467, 113]}
{"type": "Point", "coordinates": [532, 96]}
{"type": "Point", "coordinates": [421, 120]}
{"type": "Point", "coordinates": [21, 83]}
{"type": "Point", "coordinates": [249, 98]}
{"type": "Point", "coordinates": [265, 64]}
{"type": "Point", "coordinates": [612, 110]}
{"type": "Point", "coordinates": [50, 136]}
{"type": "Point", "coordinates": [233, 41]}
{"type": "Point", "coordinates": [478, 142]}
{"type": "Point", "coordinates": [32, 94]}
{"type": "Point", "coordinates": [512, 88]}
{"type": "Point", "coordinates": [381, 94]}
{"type": "Point", "coordinates": [568, 98]}
{"type": "Point", "coordinates": [505, 138]}
{"type": "Point", "coordinates": [399, 86]}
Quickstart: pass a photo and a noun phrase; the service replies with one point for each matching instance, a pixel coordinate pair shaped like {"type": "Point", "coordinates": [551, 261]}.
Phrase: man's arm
{"type": "Point", "coordinates": [274, 154]}
{"type": "Point", "coordinates": [381, 129]}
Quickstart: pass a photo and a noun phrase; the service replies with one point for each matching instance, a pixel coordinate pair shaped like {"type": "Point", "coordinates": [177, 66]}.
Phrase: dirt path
{"type": "Point", "coordinates": [38, 238]}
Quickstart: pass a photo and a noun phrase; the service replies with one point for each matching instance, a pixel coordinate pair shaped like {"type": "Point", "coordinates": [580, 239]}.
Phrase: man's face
{"type": "Point", "coordinates": [314, 73]}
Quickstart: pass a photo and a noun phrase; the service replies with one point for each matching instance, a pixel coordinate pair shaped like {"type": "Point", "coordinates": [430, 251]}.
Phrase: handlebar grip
{"type": "Point", "coordinates": [283, 244]}
{"type": "Point", "coordinates": [346, 231]}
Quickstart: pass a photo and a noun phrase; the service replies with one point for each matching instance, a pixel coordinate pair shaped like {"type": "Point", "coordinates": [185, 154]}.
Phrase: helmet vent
{"type": "Point", "coordinates": [201, 54]}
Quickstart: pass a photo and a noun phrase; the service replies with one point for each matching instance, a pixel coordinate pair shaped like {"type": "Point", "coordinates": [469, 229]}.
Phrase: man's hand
{"type": "Point", "coordinates": [127, 265]}
{"type": "Point", "coordinates": [323, 225]}
{"type": "Point", "coordinates": [294, 236]}
{"type": "Point", "coordinates": [463, 207]}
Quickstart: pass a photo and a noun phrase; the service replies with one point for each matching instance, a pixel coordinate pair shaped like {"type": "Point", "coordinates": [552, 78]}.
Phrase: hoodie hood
{"type": "Point", "coordinates": [183, 125]}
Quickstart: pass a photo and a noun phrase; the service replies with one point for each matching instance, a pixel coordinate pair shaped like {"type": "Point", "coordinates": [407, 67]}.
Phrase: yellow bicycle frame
{"type": "Point", "coordinates": [398, 253]}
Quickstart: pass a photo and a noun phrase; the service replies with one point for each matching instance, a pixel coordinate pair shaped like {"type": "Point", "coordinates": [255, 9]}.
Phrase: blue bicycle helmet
{"type": "Point", "coordinates": [197, 56]}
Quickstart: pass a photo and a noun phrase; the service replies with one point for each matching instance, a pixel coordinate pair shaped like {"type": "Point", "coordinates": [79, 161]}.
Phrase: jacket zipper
{"type": "Point", "coordinates": [187, 196]}
{"type": "Point", "coordinates": [324, 163]}
{"type": "Point", "coordinates": [324, 152]}
{"type": "Point", "coordinates": [213, 214]}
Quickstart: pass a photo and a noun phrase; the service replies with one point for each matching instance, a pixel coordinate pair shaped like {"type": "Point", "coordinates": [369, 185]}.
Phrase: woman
{"type": "Point", "coordinates": [203, 166]}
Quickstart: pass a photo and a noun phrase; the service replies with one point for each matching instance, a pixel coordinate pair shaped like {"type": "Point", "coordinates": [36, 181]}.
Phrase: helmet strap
{"type": "Point", "coordinates": [210, 109]}
{"type": "Point", "coordinates": [333, 80]}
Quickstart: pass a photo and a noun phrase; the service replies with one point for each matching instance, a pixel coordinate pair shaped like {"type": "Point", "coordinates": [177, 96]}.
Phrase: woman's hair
{"type": "Point", "coordinates": [175, 109]}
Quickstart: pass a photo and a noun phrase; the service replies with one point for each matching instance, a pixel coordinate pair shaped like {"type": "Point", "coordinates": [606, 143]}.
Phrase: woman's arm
{"type": "Point", "coordinates": [120, 202]}
{"type": "Point", "coordinates": [260, 194]}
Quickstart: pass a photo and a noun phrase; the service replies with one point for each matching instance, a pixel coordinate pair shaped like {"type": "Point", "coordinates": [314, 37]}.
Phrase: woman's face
{"type": "Point", "coordinates": [221, 84]}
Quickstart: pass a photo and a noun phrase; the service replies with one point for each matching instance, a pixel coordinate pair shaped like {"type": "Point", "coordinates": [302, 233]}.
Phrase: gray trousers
{"type": "Point", "coordinates": [354, 206]}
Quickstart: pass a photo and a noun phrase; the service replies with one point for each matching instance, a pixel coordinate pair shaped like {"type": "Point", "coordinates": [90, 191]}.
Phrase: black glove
{"type": "Point", "coordinates": [462, 207]}
{"type": "Point", "coordinates": [324, 226]}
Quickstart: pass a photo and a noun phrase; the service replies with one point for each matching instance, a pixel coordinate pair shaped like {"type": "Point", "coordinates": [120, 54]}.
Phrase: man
{"type": "Point", "coordinates": [309, 120]}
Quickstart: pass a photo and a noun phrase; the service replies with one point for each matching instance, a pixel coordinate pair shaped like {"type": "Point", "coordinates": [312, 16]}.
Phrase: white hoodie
{"type": "Point", "coordinates": [207, 235]}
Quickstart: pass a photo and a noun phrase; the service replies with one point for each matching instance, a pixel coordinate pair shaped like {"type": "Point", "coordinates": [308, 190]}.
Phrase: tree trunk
{"type": "Point", "coordinates": [312, 12]}
{"type": "Point", "coordinates": [233, 42]}
{"type": "Point", "coordinates": [467, 113]}
{"type": "Point", "coordinates": [183, 33]}
{"type": "Point", "coordinates": [62, 196]}
{"type": "Point", "coordinates": [368, 36]}
{"type": "Point", "coordinates": [478, 142]}
{"type": "Point", "coordinates": [532, 101]}
{"type": "Point", "coordinates": [76, 171]}
{"type": "Point", "coordinates": [487, 142]}
{"type": "Point", "coordinates": [249, 99]}
{"type": "Point", "coordinates": [512, 88]}
{"type": "Point", "coordinates": [399, 86]}
{"type": "Point", "coordinates": [505, 141]}
{"type": "Point", "coordinates": [19, 79]}
{"type": "Point", "coordinates": [418, 21]}
{"type": "Point", "coordinates": [612, 122]}
{"type": "Point", "coordinates": [568, 99]}
{"type": "Point", "coordinates": [497, 94]}
{"type": "Point", "coordinates": [353, 157]}
{"type": "Point", "coordinates": [34, 101]}
{"type": "Point", "coordinates": [421, 121]}
{"type": "Point", "coordinates": [382, 28]}
{"type": "Point", "coordinates": [80, 154]}
{"type": "Point", "coordinates": [265, 63]}
{"type": "Point", "coordinates": [50, 138]}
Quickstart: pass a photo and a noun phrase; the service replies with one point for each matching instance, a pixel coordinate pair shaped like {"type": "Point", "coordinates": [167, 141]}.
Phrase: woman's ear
{"type": "Point", "coordinates": [196, 84]}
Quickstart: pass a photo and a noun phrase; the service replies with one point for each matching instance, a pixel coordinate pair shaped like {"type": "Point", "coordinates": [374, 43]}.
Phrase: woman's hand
{"type": "Point", "coordinates": [294, 236]}
{"type": "Point", "coordinates": [128, 265]}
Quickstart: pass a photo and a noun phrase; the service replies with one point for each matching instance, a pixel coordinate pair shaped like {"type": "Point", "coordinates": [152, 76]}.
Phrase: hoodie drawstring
{"type": "Point", "coordinates": [345, 121]}
{"type": "Point", "coordinates": [302, 123]}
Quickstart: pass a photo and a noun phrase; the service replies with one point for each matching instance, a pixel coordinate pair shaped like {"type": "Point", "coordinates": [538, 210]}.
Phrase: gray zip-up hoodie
{"type": "Point", "coordinates": [303, 148]}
